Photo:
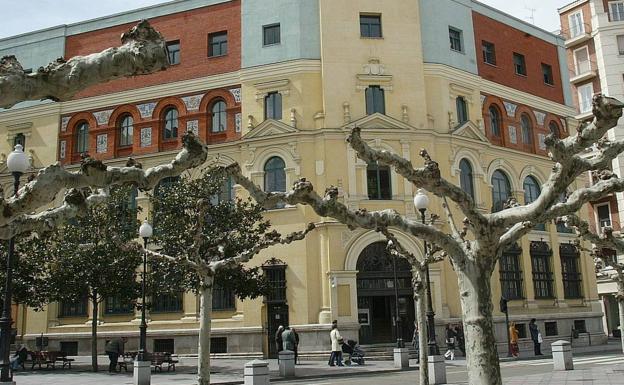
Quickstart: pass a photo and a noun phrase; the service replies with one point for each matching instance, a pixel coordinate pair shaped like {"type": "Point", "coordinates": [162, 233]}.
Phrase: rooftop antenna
{"type": "Point", "coordinates": [532, 17]}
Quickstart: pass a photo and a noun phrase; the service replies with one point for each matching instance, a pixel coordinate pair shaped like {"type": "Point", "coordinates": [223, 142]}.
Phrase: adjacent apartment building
{"type": "Point", "coordinates": [276, 85]}
{"type": "Point", "coordinates": [594, 38]}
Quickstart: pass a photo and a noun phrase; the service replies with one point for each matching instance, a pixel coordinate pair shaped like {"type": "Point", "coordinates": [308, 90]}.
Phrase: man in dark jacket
{"type": "Point", "coordinates": [114, 348]}
{"type": "Point", "coordinates": [536, 337]}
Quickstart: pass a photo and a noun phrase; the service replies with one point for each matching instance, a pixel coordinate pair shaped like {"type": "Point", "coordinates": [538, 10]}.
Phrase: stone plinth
{"type": "Point", "coordinates": [562, 355]}
{"type": "Point", "coordinates": [401, 358]}
{"type": "Point", "coordinates": [287, 363]}
{"type": "Point", "coordinates": [437, 370]}
{"type": "Point", "coordinates": [256, 373]}
{"type": "Point", "coordinates": [142, 373]}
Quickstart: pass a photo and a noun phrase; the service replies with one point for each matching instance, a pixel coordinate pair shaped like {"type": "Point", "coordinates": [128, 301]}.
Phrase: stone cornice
{"type": "Point", "coordinates": [291, 67]}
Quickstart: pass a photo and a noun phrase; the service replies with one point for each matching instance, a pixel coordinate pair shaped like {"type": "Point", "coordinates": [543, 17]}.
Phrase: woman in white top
{"type": "Point", "coordinates": [336, 340]}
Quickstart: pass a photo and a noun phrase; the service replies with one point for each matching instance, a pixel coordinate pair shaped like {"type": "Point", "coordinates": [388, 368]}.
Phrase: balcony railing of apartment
{"type": "Point", "coordinates": [576, 33]}
{"type": "Point", "coordinates": [584, 70]}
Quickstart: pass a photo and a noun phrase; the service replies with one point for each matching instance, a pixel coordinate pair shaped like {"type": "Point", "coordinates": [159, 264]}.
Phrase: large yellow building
{"type": "Point", "coordinates": [280, 99]}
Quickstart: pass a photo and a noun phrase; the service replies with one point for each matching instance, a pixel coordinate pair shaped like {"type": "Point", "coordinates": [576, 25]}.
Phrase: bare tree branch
{"type": "Point", "coordinates": [143, 52]}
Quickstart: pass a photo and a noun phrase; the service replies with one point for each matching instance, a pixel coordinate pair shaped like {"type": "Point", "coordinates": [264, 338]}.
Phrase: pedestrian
{"type": "Point", "coordinates": [20, 356]}
{"type": "Point", "coordinates": [296, 345]}
{"type": "Point", "coordinates": [288, 339]}
{"type": "Point", "coordinates": [536, 336]}
{"type": "Point", "coordinates": [278, 340]}
{"type": "Point", "coordinates": [513, 340]}
{"type": "Point", "coordinates": [115, 348]}
{"type": "Point", "coordinates": [461, 341]}
{"type": "Point", "coordinates": [450, 343]}
{"type": "Point", "coordinates": [415, 342]}
{"type": "Point", "coordinates": [336, 340]}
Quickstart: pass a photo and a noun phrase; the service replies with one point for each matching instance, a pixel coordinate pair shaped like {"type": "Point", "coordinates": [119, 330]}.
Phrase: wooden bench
{"type": "Point", "coordinates": [124, 360]}
{"type": "Point", "coordinates": [42, 358]}
{"type": "Point", "coordinates": [158, 359]}
{"type": "Point", "coordinates": [62, 357]}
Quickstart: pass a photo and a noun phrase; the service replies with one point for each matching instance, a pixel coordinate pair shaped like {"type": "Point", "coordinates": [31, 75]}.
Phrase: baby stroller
{"type": "Point", "coordinates": [354, 353]}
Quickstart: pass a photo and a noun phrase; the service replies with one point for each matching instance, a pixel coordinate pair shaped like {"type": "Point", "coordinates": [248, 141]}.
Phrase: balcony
{"type": "Point", "coordinates": [583, 71]}
{"type": "Point", "coordinates": [576, 34]}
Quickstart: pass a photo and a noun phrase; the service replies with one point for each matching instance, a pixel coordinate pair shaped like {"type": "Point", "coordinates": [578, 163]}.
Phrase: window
{"type": "Point", "coordinates": [581, 61]}
{"type": "Point", "coordinates": [527, 129]}
{"type": "Point", "coordinates": [617, 10]}
{"type": "Point", "coordinates": [462, 110]}
{"type": "Point", "coordinates": [519, 64]}
{"type": "Point", "coordinates": [542, 275]}
{"type": "Point", "coordinates": [547, 72]}
{"type": "Point", "coordinates": [585, 95]}
{"type": "Point", "coordinates": [275, 175]}
{"type": "Point", "coordinates": [69, 347]}
{"type": "Point", "coordinates": [620, 44]}
{"type": "Point", "coordinates": [570, 272]}
{"type": "Point", "coordinates": [73, 309]}
{"type": "Point", "coordinates": [164, 345]}
{"type": "Point", "coordinates": [580, 326]}
{"type": "Point", "coordinates": [489, 52]}
{"type": "Point", "coordinates": [495, 121]}
{"type": "Point", "coordinates": [378, 182]}
{"type": "Point", "coordinates": [170, 123]}
{"type": "Point", "coordinates": [531, 192]}
{"type": "Point", "coordinates": [82, 138]}
{"type": "Point", "coordinates": [273, 106]}
{"type": "Point", "coordinates": [603, 213]}
{"type": "Point", "coordinates": [501, 190]}
{"type": "Point", "coordinates": [554, 129]}
{"type": "Point", "coordinates": [510, 273]}
{"type": "Point", "coordinates": [19, 139]}
{"type": "Point", "coordinates": [271, 34]}
{"type": "Point", "coordinates": [375, 100]}
{"type": "Point", "coordinates": [173, 49]}
{"type": "Point", "coordinates": [167, 303]}
{"type": "Point", "coordinates": [550, 328]}
{"type": "Point", "coordinates": [217, 44]}
{"type": "Point", "coordinates": [577, 27]}
{"type": "Point", "coordinates": [370, 25]}
{"type": "Point", "coordinates": [223, 298]}
{"type": "Point", "coordinates": [226, 194]}
{"type": "Point", "coordinates": [126, 129]}
{"type": "Point", "coordinates": [466, 178]}
{"type": "Point", "coordinates": [455, 36]}
{"type": "Point", "coordinates": [276, 277]}
{"type": "Point", "coordinates": [218, 345]}
{"type": "Point", "coordinates": [219, 116]}
{"type": "Point", "coordinates": [114, 305]}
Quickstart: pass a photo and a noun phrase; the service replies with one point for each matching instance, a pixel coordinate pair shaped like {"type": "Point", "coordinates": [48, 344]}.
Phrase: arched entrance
{"type": "Point", "coordinates": [376, 296]}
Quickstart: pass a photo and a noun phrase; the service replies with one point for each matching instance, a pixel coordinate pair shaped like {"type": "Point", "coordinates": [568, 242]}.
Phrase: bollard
{"type": "Point", "coordinates": [142, 372]}
{"type": "Point", "coordinates": [562, 355]}
{"type": "Point", "coordinates": [437, 370]}
{"type": "Point", "coordinates": [401, 358]}
{"type": "Point", "coordinates": [256, 373]}
{"type": "Point", "coordinates": [287, 363]}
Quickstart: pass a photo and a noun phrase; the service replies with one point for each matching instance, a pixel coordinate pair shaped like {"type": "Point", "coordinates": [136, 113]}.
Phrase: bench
{"type": "Point", "coordinates": [42, 358]}
{"type": "Point", "coordinates": [158, 359]}
{"type": "Point", "coordinates": [62, 357]}
{"type": "Point", "coordinates": [125, 359]}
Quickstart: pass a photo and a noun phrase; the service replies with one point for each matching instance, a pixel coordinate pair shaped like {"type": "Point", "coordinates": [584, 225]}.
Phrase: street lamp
{"type": "Point", "coordinates": [421, 202]}
{"type": "Point", "coordinates": [142, 371]}
{"type": "Point", "coordinates": [397, 319]}
{"type": "Point", "coordinates": [17, 163]}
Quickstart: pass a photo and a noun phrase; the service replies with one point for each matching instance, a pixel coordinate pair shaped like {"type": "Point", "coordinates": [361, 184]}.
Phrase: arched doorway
{"type": "Point", "coordinates": [376, 296]}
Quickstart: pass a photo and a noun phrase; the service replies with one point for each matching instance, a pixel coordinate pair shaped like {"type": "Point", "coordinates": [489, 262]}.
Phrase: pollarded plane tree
{"type": "Point", "coordinates": [603, 242]}
{"type": "Point", "coordinates": [474, 254]}
{"type": "Point", "coordinates": [206, 235]}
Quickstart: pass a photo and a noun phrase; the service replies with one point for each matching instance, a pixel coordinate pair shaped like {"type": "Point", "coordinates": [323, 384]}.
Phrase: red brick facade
{"type": "Point", "coordinates": [508, 40]}
{"type": "Point", "coordinates": [190, 28]}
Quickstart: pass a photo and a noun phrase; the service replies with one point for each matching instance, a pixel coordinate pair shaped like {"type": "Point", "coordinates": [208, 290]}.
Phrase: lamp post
{"type": "Point", "coordinates": [421, 202]}
{"type": "Point", "coordinates": [142, 371]}
{"type": "Point", "coordinates": [17, 163]}
{"type": "Point", "coordinates": [397, 319]}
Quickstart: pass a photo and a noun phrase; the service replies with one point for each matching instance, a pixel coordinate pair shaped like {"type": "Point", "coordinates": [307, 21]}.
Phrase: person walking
{"type": "Point", "coordinates": [336, 340]}
{"type": "Point", "coordinates": [514, 336]}
{"type": "Point", "coordinates": [450, 342]}
{"type": "Point", "coordinates": [114, 348]}
{"type": "Point", "coordinates": [278, 340]}
{"type": "Point", "coordinates": [288, 339]}
{"type": "Point", "coordinates": [536, 336]}
{"type": "Point", "coordinates": [415, 343]}
{"type": "Point", "coordinates": [461, 341]}
{"type": "Point", "coordinates": [296, 345]}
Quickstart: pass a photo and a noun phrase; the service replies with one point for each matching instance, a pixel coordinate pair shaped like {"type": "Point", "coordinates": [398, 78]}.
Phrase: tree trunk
{"type": "Point", "coordinates": [476, 302]}
{"type": "Point", "coordinates": [94, 325]}
{"type": "Point", "coordinates": [423, 332]}
{"type": "Point", "coordinates": [203, 351]}
{"type": "Point", "coordinates": [621, 310]}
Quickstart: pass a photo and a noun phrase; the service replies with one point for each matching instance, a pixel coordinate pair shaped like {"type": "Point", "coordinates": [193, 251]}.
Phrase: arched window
{"type": "Point", "coordinates": [501, 190]}
{"type": "Point", "coordinates": [82, 137]}
{"type": "Point", "coordinates": [219, 117]}
{"type": "Point", "coordinates": [126, 128]}
{"type": "Point", "coordinates": [378, 182]}
{"type": "Point", "coordinates": [554, 129]}
{"type": "Point", "coordinates": [465, 177]}
{"type": "Point", "coordinates": [527, 129]}
{"type": "Point", "coordinates": [170, 123]}
{"type": "Point", "coordinates": [531, 192]}
{"type": "Point", "coordinates": [495, 121]}
{"type": "Point", "coordinates": [275, 175]}
{"type": "Point", "coordinates": [462, 110]}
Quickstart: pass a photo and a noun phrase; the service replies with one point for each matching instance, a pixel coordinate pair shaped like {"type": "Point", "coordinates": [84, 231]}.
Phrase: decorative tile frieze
{"type": "Point", "coordinates": [512, 134]}
{"type": "Point", "coordinates": [102, 117]}
{"type": "Point", "coordinates": [146, 136]}
{"type": "Point", "coordinates": [64, 122]}
{"type": "Point", "coordinates": [238, 118]}
{"type": "Point", "coordinates": [542, 141]}
{"type": "Point", "coordinates": [192, 102]}
{"type": "Point", "coordinates": [147, 109]}
{"type": "Point", "coordinates": [236, 92]}
{"type": "Point", "coordinates": [62, 149]}
{"type": "Point", "coordinates": [193, 125]}
{"type": "Point", "coordinates": [511, 109]}
{"type": "Point", "coordinates": [101, 143]}
{"type": "Point", "coordinates": [540, 117]}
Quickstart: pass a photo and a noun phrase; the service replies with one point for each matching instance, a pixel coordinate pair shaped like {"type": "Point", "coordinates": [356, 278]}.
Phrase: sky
{"type": "Point", "coordinates": [24, 16]}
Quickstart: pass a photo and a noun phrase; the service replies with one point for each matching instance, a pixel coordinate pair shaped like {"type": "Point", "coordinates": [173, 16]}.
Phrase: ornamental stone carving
{"type": "Point", "coordinates": [511, 109]}
{"type": "Point", "coordinates": [101, 143]}
{"type": "Point", "coordinates": [147, 109]}
{"type": "Point", "coordinates": [512, 134]}
{"type": "Point", "coordinates": [102, 117]}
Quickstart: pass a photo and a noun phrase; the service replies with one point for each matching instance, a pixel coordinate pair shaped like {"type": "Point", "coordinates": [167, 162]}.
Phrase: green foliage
{"type": "Point", "coordinates": [235, 224]}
